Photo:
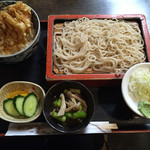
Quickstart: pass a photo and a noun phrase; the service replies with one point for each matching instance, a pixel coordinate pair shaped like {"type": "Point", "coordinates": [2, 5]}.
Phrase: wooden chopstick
{"type": "Point", "coordinates": [110, 126]}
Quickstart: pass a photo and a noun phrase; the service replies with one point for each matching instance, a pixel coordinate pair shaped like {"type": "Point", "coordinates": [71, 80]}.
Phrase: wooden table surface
{"type": "Point", "coordinates": [44, 8]}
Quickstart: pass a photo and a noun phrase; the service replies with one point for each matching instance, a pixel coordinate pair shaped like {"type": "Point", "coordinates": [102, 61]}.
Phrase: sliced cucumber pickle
{"type": "Point", "coordinates": [18, 102]}
{"type": "Point", "coordinates": [10, 108]}
{"type": "Point", "coordinates": [30, 105]}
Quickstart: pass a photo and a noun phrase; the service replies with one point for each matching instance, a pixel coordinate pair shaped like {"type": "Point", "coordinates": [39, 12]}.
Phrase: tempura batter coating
{"type": "Point", "coordinates": [15, 28]}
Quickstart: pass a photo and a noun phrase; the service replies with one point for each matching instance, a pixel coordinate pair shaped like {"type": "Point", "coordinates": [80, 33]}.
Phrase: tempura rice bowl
{"type": "Point", "coordinates": [26, 52]}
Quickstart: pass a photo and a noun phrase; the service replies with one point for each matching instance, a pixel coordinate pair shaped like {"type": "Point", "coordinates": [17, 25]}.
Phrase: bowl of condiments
{"type": "Point", "coordinates": [136, 89]}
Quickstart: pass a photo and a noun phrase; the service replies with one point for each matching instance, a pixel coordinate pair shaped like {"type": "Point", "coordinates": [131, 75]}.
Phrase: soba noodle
{"type": "Point", "coordinates": [106, 46]}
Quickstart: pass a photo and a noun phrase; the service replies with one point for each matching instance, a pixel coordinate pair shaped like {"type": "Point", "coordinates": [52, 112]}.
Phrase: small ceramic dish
{"type": "Point", "coordinates": [21, 86]}
{"type": "Point", "coordinates": [54, 92]}
{"type": "Point", "coordinates": [128, 96]}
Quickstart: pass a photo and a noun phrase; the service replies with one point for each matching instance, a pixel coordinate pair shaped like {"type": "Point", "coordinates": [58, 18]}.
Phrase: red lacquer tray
{"type": "Point", "coordinates": [51, 75]}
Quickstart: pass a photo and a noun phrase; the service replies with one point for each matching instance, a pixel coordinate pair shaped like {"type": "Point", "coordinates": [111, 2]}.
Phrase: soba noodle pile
{"type": "Point", "coordinates": [106, 46]}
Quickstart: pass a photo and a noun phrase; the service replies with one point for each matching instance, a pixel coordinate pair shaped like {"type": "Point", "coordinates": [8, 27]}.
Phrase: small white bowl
{"type": "Point", "coordinates": [21, 86]}
{"type": "Point", "coordinates": [128, 97]}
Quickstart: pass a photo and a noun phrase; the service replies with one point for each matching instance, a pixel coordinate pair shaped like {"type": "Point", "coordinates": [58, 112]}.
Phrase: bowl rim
{"type": "Point", "coordinates": [35, 38]}
{"type": "Point", "coordinates": [28, 119]}
{"type": "Point", "coordinates": [25, 82]}
{"type": "Point", "coordinates": [61, 130]}
{"type": "Point", "coordinates": [124, 88]}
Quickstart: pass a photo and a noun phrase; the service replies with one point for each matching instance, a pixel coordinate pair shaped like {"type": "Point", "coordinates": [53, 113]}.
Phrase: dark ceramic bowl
{"type": "Point", "coordinates": [55, 91]}
{"type": "Point", "coordinates": [28, 51]}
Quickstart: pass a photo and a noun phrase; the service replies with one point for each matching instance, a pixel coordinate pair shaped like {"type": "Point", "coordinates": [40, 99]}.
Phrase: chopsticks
{"type": "Point", "coordinates": [104, 126]}
{"type": "Point", "coordinates": [110, 126]}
